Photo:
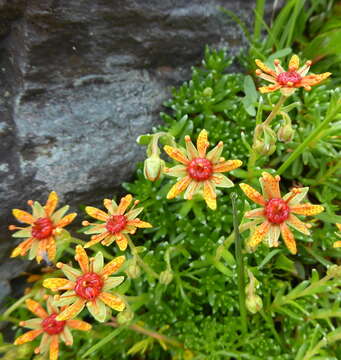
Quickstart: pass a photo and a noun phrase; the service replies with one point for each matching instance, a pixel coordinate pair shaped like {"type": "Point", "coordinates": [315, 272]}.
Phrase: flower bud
{"type": "Point", "coordinates": [265, 140]}
{"type": "Point", "coordinates": [153, 167]}
{"type": "Point", "coordinates": [133, 271]}
{"type": "Point", "coordinates": [334, 271]}
{"type": "Point", "coordinates": [285, 133]}
{"type": "Point", "coordinates": [125, 316]}
{"type": "Point", "coordinates": [264, 149]}
{"type": "Point", "coordinates": [208, 92]}
{"type": "Point", "coordinates": [254, 303]}
{"type": "Point", "coordinates": [166, 277]}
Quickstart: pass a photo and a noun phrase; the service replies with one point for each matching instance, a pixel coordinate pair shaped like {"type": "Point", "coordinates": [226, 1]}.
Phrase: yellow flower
{"type": "Point", "coordinates": [116, 224]}
{"type": "Point", "coordinates": [51, 329]}
{"type": "Point", "coordinates": [44, 224]}
{"type": "Point", "coordinates": [276, 213]}
{"type": "Point", "coordinates": [337, 244]}
{"type": "Point", "coordinates": [88, 286]}
{"type": "Point", "coordinates": [199, 170]}
{"type": "Point", "coordinates": [288, 81]}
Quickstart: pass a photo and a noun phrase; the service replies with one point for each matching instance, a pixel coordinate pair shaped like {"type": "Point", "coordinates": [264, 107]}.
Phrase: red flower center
{"type": "Point", "coordinates": [89, 286]}
{"type": "Point", "coordinates": [116, 223]}
{"type": "Point", "coordinates": [42, 228]}
{"type": "Point", "coordinates": [289, 76]}
{"type": "Point", "coordinates": [51, 326]}
{"type": "Point", "coordinates": [277, 211]}
{"type": "Point", "coordinates": [200, 169]}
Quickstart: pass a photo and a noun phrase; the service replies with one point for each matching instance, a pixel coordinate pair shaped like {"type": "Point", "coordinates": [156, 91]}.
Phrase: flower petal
{"type": "Point", "coordinates": [210, 195]}
{"type": "Point", "coordinates": [337, 244]}
{"type": "Point", "coordinates": [270, 186]}
{"type": "Point", "coordinates": [227, 166]}
{"type": "Point", "coordinates": [266, 77]}
{"type": "Point", "coordinates": [192, 189]}
{"type": "Point", "coordinates": [51, 248]}
{"type": "Point", "coordinates": [294, 63]}
{"type": "Point", "coordinates": [108, 204]}
{"type": "Point", "coordinates": [259, 234]}
{"type": "Point", "coordinates": [179, 187]}
{"type": "Point", "coordinates": [139, 223]}
{"type": "Point", "coordinates": [71, 273]}
{"type": "Point", "coordinates": [82, 259]}
{"type": "Point", "coordinates": [66, 336]}
{"type": "Point", "coordinates": [31, 324]}
{"type": "Point", "coordinates": [22, 248]}
{"type": "Point", "coordinates": [252, 194]}
{"type": "Point", "coordinates": [109, 240]}
{"type": "Point", "coordinates": [72, 310]}
{"type": "Point", "coordinates": [113, 266]}
{"type": "Point", "coordinates": [288, 238]}
{"type": "Point", "coordinates": [296, 195]}
{"type": "Point", "coordinates": [96, 213]}
{"type": "Point", "coordinates": [96, 239]}
{"type": "Point", "coordinates": [176, 171]}
{"type": "Point", "coordinates": [97, 229]}
{"type": "Point", "coordinates": [202, 143]}
{"type": "Point", "coordinates": [221, 180]}
{"type": "Point", "coordinates": [306, 209]}
{"type": "Point", "coordinates": [124, 204]}
{"type": "Point", "coordinates": [273, 236]}
{"type": "Point", "coordinates": [297, 224]}
{"type": "Point", "coordinates": [57, 216]}
{"type": "Point", "coordinates": [79, 325]}
{"type": "Point", "coordinates": [255, 213]}
{"type": "Point", "coordinates": [97, 309]}
{"type": "Point", "coordinates": [192, 152]}
{"type": "Point", "coordinates": [69, 297]}
{"type": "Point", "coordinates": [121, 241]}
{"type": "Point", "coordinates": [176, 154]}
{"type": "Point", "coordinates": [34, 248]}
{"type": "Point", "coordinates": [54, 348]}
{"type": "Point", "coordinates": [112, 282]}
{"type": "Point", "coordinates": [29, 336]}
{"type": "Point", "coordinates": [113, 301]}
{"type": "Point", "coordinates": [269, 88]}
{"type": "Point", "coordinates": [314, 79]}
{"type": "Point", "coordinates": [56, 284]}
{"type": "Point", "coordinates": [215, 153]}
{"type": "Point", "coordinates": [97, 263]}
{"type": "Point", "coordinates": [132, 214]}
{"type": "Point", "coordinates": [23, 233]}
{"type": "Point", "coordinates": [23, 216]}
{"type": "Point", "coordinates": [66, 220]}
{"type": "Point", "coordinates": [265, 68]}
{"type": "Point", "coordinates": [36, 308]}
{"type": "Point", "coordinates": [51, 203]}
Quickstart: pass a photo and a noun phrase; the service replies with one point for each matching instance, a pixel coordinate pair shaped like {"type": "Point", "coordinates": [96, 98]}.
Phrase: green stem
{"type": "Point", "coordinates": [275, 110]}
{"type": "Point", "coordinates": [8, 312]}
{"type": "Point", "coordinates": [144, 266]}
{"type": "Point", "coordinates": [315, 133]}
{"type": "Point", "coordinates": [240, 266]}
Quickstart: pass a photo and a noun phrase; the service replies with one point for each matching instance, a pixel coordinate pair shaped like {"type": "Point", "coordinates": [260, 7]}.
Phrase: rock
{"type": "Point", "coordinates": [81, 80]}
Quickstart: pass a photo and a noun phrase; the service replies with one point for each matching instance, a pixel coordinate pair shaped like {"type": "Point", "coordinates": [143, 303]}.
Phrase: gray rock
{"type": "Point", "coordinates": [80, 80]}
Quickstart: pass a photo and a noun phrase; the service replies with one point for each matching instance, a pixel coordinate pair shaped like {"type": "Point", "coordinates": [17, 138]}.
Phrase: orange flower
{"type": "Point", "coordinates": [276, 213]}
{"type": "Point", "coordinates": [337, 244]}
{"type": "Point", "coordinates": [199, 170]}
{"type": "Point", "coordinates": [288, 81]}
{"type": "Point", "coordinates": [51, 329]}
{"type": "Point", "coordinates": [117, 224]}
{"type": "Point", "coordinates": [88, 286]}
{"type": "Point", "coordinates": [44, 226]}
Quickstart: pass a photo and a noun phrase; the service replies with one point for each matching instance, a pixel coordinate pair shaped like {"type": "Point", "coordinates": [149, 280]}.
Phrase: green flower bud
{"type": "Point", "coordinates": [285, 133]}
{"type": "Point", "coordinates": [265, 142]}
{"type": "Point", "coordinates": [254, 303]}
{"type": "Point", "coordinates": [264, 149]}
{"type": "Point", "coordinates": [153, 167]}
{"type": "Point", "coordinates": [208, 92]}
{"type": "Point", "coordinates": [166, 277]}
{"type": "Point", "coordinates": [334, 271]}
{"type": "Point", "coordinates": [133, 271]}
{"type": "Point", "coordinates": [125, 317]}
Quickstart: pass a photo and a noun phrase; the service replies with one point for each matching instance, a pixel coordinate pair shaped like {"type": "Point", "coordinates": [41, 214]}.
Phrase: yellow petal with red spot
{"type": "Point", "coordinates": [288, 238]}
{"type": "Point", "coordinates": [124, 204]}
{"type": "Point", "coordinates": [176, 154]}
{"type": "Point", "coordinates": [82, 259]}
{"type": "Point", "coordinates": [108, 205]}
{"type": "Point", "coordinates": [22, 248]}
{"type": "Point", "coordinates": [252, 194]}
{"type": "Point", "coordinates": [56, 284]}
{"type": "Point", "coordinates": [79, 325]}
{"type": "Point", "coordinates": [259, 234]}
{"type": "Point", "coordinates": [270, 186]}
{"type": "Point", "coordinates": [337, 244]}
{"type": "Point", "coordinates": [36, 308]}
{"type": "Point", "coordinates": [71, 311]}
{"type": "Point", "coordinates": [314, 79]}
{"type": "Point", "coordinates": [51, 203]}
{"type": "Point", "coordinates": [112, 301]}
{"type": "Point", "coordinates": [139, 223]}
{"type": "Point", "coordinates": [294, 63]}
{"type": "Point", "coordinates": [297, 224]}
{"type": "Point", "coordinates": [179, 187]}
{"type": "Point", "coordinates": [23, 216]}
{"type": "Point", "coordinates": [121, 241]}
{"type": "Point", "coordinates": [269, 88]}
{"type": "Point", "coordinates": [96, 239]}
{"type": "Point", "coordinates": [66, 220]}
{"type": "Point", "coordinates": [96, 213]}
{"type": "Point", "coordinates": [113, 266]}
{"type": "Point", "coordinates": [227, 165]}
{"type": "Point", "coordinates": [265, 68]}
{"type": "Point", "coordinates": [192, 152]}
{"type": "Point", "coordinates": [54, 348]}
{"type": "Point", "coordinates": [307, 209]}
{"type": "Point", "coordinates": [29, 336]}
{"type": "Point", "coordinates": [210, 195]}
{"type": "Point", "coordinates": [51, 248]}
{"type": "Point", "coordinates": [255, 213]}
{"type": "Point", "coordinates": [202, 143]}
